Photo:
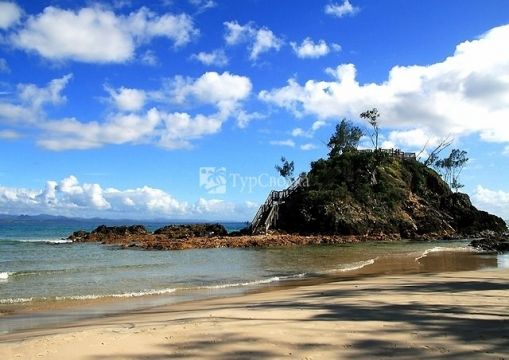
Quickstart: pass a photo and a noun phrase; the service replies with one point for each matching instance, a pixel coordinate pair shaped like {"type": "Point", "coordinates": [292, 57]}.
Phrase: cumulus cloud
{"type": "Point", "coordinates": [411, 139]}
{"type": "Point", "coordinates": [466, 93]}
{"type": "Point", "coordinates": [118, 129]}
{"type": "Point", "coordinates": [312, 50]}
{"type": "Point", "coordinates": [29, 101]}
{"type": "Point", "coordinates": [215, 58]}
{"type": "Point", "coordinates": [10, 14]}
{"type": "Point", "coordinates": [182, 127]}
{"type": "Point", "coordinates": [287, 142]}
{"type": "Point", "coordinates": [341, 10]}
{"type": "Point", "coordinates": [129, 122]}
{"type": "Point", "coordinates": [98, 35]}
{"type": "Point", "coordinates": [126, 99]}
{"type": "Point", "coordinates": [260, 40]}
{"type": "Point", "coordinates": [494, 201]}
{"type": "Point", "coordinates": [225, 90]}
{"type": "Point", "coordinates": [69, 197]}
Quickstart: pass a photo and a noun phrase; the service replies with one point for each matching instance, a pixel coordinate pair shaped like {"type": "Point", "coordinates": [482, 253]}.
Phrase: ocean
{"type": "Point", "coordinates": [41, 270]}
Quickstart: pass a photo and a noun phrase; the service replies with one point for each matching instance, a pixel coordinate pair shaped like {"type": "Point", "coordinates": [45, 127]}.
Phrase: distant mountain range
{"type": "Point", "coordinates": [42, 218]}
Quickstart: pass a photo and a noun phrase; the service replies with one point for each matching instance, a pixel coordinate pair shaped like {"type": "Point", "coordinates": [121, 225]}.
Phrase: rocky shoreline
{"type": "Point", "coordinates": [202, 236]}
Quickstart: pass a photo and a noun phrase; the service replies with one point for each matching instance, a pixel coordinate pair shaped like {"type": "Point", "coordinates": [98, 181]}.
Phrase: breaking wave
{"type": "Point", "coordinates": [443, 249]}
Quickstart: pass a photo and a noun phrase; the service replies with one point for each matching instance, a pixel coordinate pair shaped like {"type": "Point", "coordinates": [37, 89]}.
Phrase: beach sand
{"type": "Point", "coordinates": [443, 315]}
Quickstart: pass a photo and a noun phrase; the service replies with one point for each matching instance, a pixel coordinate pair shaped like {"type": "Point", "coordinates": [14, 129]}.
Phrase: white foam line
{"type": "Point", "coordinates": [90, 297]}
{"type": "Point", "coordinates": [445, 248]}
{"type": "Point", "coordinates": [353, 266]}
{"type": "Point", "coordinates": [46, 241]}
{"type": "Point", "coordinates": [15, 301]}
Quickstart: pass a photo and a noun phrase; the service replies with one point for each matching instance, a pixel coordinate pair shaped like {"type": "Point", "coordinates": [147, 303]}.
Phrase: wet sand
{"type": "Point", "coordinates": [460, 314]}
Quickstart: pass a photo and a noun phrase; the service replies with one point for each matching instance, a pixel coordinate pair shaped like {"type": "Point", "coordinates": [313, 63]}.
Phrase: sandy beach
{"type": "Point", "coordinates": [447, 315]}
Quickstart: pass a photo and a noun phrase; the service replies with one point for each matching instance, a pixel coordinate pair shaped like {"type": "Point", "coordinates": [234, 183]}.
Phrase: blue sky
{"type": "Point", "coordinates": [111, 108]}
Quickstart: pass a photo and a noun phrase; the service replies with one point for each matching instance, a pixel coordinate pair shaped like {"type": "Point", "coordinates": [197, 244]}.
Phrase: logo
{"type": "Point", "coordinates": [213, 179]}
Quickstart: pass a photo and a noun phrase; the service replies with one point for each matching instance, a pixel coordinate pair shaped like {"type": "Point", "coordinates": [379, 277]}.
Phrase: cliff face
{"type": "Point", "coordinates": [364, 193]}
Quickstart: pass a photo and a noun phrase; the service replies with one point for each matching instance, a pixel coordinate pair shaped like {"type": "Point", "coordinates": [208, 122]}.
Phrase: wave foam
{"type": "Point", "coordinates": [352, 266]}
{"type": "Point", "coordinates": [443, 249]}
{"type": "Point", "coordinates": [16, 300]}
{"type": "Point", "coordinates": [121, 295]}
{"type": "Point", "coordinates": [46, 241]}
{"type": "Point", "coordinates": [249, 283]}
{"type": "Point", "coordinates": [5, 275]}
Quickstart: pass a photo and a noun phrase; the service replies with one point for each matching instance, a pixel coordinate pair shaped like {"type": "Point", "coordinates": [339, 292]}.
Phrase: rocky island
{"type": "Point", "coordinates": [350, 197]}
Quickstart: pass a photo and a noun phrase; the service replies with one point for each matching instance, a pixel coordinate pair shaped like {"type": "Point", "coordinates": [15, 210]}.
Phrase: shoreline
{"type": "Point", "coordinates": [427, 314]}
{"type": "Point", "coordinates": [18, 318]}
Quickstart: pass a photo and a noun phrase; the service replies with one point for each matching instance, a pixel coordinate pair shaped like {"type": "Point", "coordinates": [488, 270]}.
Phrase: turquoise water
{"type": "Point", "coordinates": [36, 266]}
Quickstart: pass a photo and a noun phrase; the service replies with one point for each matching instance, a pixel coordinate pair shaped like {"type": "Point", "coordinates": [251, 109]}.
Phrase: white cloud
{"type": "Point", "coordinates": [69, 197]}
{"type": "Point", "coordinates": [307, 147]}
{"type": "Point", "coordinates": [10, 13]}
{"type": "Point", "coordinates": [310, 49]}
{"type": "Point", "coordinates": [149, 58]}
{"type": "Point", "coordinates": [288, 142]}
{"type": "Point", "coordinates": [506, 150]}
{"type": "Point", "coordinates": [126, 99]}
{"type": "Point", "coordinates": [203, 5]}
{"type": "Point", "coordinates": [493, 201]}
{"type": "Point", "coordinates": [95, 34]}
{"type": "Point", "coordinates": [30, 99]}
{"type": "Point", "coordinates": [117, 129]}
{"type": "Point", "coordinates": [466, 93]}
{"type": "Point", "coordinates": [341, 10]}
{"type": "Point", "coordinates": [244, 118]}
{"type": "Point", "coordinates": [215, 58]}
{"type": "Point", "coordinates": [9, 134]}
{"type": "Point", "coordinates": [299, 132]}
{"type": "Point", "coordinates": [182, 127]}
{"type": "Point", "coordinates": [412, 139]}
{"type": "Point", "coordinates": [225, 90]}
{"type": "Point", "coordinates": [129, 123]}
{"type": "Point", "coordinates": [260, 40]}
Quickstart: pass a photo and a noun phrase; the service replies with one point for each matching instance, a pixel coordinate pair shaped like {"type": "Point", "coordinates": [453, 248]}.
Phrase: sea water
{"type": "Point", "coordinates": [38, 266]}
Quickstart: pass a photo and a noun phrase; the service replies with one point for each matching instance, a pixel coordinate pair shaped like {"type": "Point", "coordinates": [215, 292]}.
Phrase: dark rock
{"type": "Point", "coordinates": [120, 230]}
{"type": "Point", "coordinates": [491, 244]}
{"type": "Point", "coordinates": [78, 235]}
{"type": "Point", "coordinates": [192, 230]}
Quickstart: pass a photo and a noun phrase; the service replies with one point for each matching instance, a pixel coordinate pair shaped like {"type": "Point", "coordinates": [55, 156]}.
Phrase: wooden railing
{"type": "Point", "coordinates": [274, 198]}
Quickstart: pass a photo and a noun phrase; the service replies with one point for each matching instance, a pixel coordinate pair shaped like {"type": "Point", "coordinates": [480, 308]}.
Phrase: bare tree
{"type": "Point", "coordinates": [372, 117]}
{"type": "Point", "coordinates": [433, 155]}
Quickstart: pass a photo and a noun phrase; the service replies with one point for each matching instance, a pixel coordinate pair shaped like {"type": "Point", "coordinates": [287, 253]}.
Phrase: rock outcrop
{"type": "Point", "coordinates": [139, 236]}
{"type": "Point", "coordinates": [372, 193]}
{"type": "Point", "coordinates": [194, 230]}
{"type": "Point", "coordinates": [492, 243]}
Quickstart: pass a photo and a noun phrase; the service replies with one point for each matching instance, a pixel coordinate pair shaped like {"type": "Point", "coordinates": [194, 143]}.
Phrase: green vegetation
{"type": "Point", "coordinates": [367, 192]}
{"type": "Point", "coordinates": [286, 169]}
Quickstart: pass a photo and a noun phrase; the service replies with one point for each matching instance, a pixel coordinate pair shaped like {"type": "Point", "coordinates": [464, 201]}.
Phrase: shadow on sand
{"type": "Point", "coordinates": [482, 330]}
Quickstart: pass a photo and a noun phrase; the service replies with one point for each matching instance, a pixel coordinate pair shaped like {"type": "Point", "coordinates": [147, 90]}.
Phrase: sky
{"type": "Point", "coordinates": [180, 109]}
